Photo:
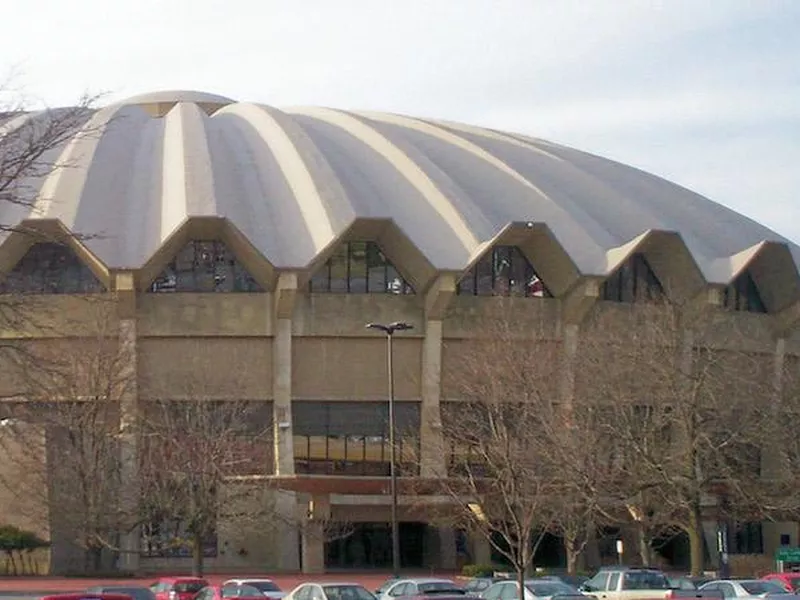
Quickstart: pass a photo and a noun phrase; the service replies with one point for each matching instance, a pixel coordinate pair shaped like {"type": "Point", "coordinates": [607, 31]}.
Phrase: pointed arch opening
{"type": "Point", "coordinates": [503, 271]}
{"type": "Point", "coordinates": [633, 281]}
{"type": "Point", "coordinates": [359, 267]}
{"type": "Point", "coordinates": [205, 266]}
{"type": "Point", "coordinates": [51, 268]}
{"type": "Point", "coordinates": [743, 295]}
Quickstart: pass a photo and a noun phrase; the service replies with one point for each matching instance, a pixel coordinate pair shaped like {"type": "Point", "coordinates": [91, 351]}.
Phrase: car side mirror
{"type": "Point", "coordinates": [585, 587]}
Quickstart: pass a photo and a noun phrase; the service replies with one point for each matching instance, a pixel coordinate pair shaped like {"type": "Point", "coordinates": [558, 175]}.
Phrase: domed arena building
{"type": "Point", "coordinates": [264, 240]}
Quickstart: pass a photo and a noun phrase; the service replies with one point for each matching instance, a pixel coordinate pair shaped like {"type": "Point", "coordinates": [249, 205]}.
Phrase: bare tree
{"type": "Point", "coordinates": [584, 474]}
{"type": "Point", "coordinates": [30, 147]}
{"type": "Point", "coordinates": [203, 462]}
{"type": "Point", "coordinates": [63, 426]}
{"type": "Point", "coordinates": [497, 472]}
{"type": "Point", "coordinates": [681, 404]}
{"type": "Point", "coordinates": [778, 430]}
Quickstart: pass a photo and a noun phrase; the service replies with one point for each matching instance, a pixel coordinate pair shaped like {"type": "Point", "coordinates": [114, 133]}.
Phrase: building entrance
{"type": "Point", "coordinates": [370, 547]}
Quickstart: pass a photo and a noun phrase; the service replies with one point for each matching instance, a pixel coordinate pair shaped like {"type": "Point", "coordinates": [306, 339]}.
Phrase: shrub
{"type": "Point", "coordinates": [17, 545]}
{"type": "Point", "coordinates": [479, 570]}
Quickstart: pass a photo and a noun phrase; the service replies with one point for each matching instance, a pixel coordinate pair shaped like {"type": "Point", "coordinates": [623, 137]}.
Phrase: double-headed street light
{"type": "Point", "coordinates": [390, 330]}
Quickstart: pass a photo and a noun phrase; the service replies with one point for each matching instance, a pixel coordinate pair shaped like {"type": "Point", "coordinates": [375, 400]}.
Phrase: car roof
{"type": "Point", "coordinates": [180, 579]}
{"type": "Point", "coordinates": [247, 579]}
{"type": "Point", "coordinates": [340, 583]}
{"type": "Point", "coordinates": [425, 580]}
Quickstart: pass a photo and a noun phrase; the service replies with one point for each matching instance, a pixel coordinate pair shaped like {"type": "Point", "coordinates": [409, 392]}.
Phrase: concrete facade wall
{"type": "Point", "coordinates": [288, 344]}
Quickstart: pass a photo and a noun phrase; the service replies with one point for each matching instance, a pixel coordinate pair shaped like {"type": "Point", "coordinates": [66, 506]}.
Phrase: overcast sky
{"type": "Point", "coordinates": [703, 92]}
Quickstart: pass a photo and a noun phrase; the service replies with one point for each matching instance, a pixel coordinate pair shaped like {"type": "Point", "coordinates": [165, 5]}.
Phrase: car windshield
{"type": "Point", "coordinates": [756, 588]}
{"type": "Point", "coordinates": [432, 587]}
{"type": "Point", "coordinates": [188, 587]}
{"type": "Point", "coordinates": [549, 588]}
{"type": "Point", "coordinates": [264, 586]}
{"type": "Point", "coordinates": [644, 580]}
{"type": "Point", "coordinates": [347, 592]}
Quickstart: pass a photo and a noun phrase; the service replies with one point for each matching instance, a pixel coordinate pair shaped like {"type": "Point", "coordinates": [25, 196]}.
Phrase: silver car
{"type": "Point", "coordinates": [329, 591]}
{"type": "Point", "coordinates": [535, 589]}
{"type": "Point", "coordinates": [419, 586]}
{"type": "Point", "coordinates": [266, 586]}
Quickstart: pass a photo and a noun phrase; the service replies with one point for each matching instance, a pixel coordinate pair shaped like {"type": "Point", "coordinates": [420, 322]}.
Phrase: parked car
{"type": "Point", "coordinates": [86, 596]}
{"type": "Point", "coordinates": [229, 592]}
{"type": "Point", "coordinates": [535, 589]}
{"type": "Point", "coordinates": [575, 581]}
{"type": "Point", "coordinates": [790, 581]}
{"type": "Point", "coordinates": [476, 585]}
{"type": "Point", "coordinates": [638, 583]}
{"type": "Point", "coordinates": [748, 589]}
{"type": "Point", "coordinates": [177, 588]}
{"type": "Point", "coordinates": [687, 582]}
{"type": "Point", "coordinates": [266, 586]}
{"type": "Point", "coordinates": [441, 596]}
{"type": "Point", "coordinates": [420, 586]}
{"type": "Point", "coordinates": [385, 585]}
{"type": "Point", "coordinates": [330, 591]}
{"type": "Point", "coordinates": [135, 592]}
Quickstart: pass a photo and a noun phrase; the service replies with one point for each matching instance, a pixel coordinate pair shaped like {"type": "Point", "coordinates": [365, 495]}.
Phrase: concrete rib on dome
{"type": "Point", "coordinates": [292, 182]}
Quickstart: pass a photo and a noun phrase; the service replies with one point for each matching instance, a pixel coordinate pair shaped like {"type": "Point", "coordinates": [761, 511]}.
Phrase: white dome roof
{"type": "Point", "coordinates": [293, 180]}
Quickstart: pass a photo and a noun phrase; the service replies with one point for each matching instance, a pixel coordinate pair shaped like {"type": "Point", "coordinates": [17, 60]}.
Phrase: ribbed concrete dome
{"type": "Point", "coordinates": [293, 180]}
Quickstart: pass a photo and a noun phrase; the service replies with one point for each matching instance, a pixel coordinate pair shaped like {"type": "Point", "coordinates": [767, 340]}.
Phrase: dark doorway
{"type": "Point", "coordinates": [370, 547]}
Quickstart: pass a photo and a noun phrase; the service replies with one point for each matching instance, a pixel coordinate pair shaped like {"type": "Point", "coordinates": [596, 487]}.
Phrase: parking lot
{"type": "Point", "coordinates": [25, 588]}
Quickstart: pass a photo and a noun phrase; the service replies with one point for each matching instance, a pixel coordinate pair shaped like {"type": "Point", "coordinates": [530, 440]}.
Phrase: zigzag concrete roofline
{"type": "Point", "coordinates": [293, 182]}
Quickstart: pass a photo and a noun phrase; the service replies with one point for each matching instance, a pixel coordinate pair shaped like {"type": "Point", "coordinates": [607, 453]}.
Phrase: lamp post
{"type": "Point", "coordinates": [390, 330]}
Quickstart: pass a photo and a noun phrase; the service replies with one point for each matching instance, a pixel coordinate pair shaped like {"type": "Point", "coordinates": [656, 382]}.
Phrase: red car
{"type": "Point", "coordinates": [87, 596]}
{"type": "Point", "coordinates": [229, 592]}
{"type": "Point", "coordinates": [177, 588]}
{"type": "Point", "coordinates": [790, 581]}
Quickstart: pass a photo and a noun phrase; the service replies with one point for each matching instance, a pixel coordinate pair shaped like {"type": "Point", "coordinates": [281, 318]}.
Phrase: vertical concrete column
{"type": "Point", "coordinates": [128, 422]}
{"type": "Point", "coordinates": [769, 458]}
{"type": "Point", "coordinates": [282, 396]}
{"type": "Point", "coordinates": [286, 535]}
{"type": "Point", "coordinates": [570, 334]}
{"type": "Point", "coordinates": [447, 549]}
{"type": "Point", "coordinates": [432, 457]}
{"type": "Point", "coordinates": [481, 550]}
{"type": "Point", "coordinates": [284, 299]}
{"type": "Point", "coordinates": [313, 548]}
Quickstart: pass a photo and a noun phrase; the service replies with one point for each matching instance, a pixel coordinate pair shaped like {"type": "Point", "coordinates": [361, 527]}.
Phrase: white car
{"type": "Point", "coordinates": [748, 589]}
{"type": "Point", "coordinates": [535, 589]}
{"type": "Point", "coordinates": [266, 586]}
{"type": "Point", "coordinates": [329, 591]}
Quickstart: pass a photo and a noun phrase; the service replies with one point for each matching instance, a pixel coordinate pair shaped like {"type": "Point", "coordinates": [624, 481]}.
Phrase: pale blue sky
{"type": "Point", "coordinates": [703, 92]}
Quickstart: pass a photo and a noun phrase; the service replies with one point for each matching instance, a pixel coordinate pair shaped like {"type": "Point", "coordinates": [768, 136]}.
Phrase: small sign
{"type": "Point", "coordinates": [787, 555]}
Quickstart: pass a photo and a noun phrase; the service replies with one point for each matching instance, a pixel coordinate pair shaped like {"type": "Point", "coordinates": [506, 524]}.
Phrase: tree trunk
{"type": "Point", "coordinates": [572, 547]}
{"type": "Point", "coordinates": [197, 555]}
{"type": "Point", "coordinates": [695, 532]}
{"type": "Point", "coordinates": [12, 562]}
{"type": "Point", "coordinates": [644, 544]}
{"type": "Point", "coordinates": [521, 581]}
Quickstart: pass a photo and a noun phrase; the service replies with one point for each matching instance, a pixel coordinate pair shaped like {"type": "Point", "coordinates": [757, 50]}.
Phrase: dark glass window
{"type": "Point", "coordinates": [352, 438]}
{"type": "Point", "coordinates": [634, 281]}
{"type": "Point", "coordinates": [748, 538]}
{"type": "Point", "coordinates": [50, 268]}
{"type": "Point", "coordinates": [359, 268]}
{"type": "Point", "coordinates": [205, 266]}
{"type": "Point", "coordinates": [742, 295]}
{"type": "Point", "coordinates": [504, 271]}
